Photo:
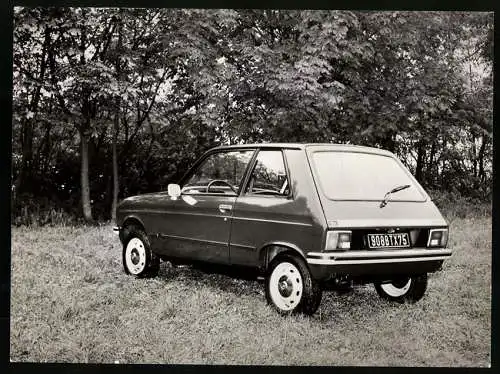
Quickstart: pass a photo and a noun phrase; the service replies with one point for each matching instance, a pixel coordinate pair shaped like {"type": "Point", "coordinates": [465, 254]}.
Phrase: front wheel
{"type": "Point", "coordinates": [138, 258]}
{"type": "Point", "coordinates": [290, 287]}
{"type": "Point", "coordinates": [404, 289]}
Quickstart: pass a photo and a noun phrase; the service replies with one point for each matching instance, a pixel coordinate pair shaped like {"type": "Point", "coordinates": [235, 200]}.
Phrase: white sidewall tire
{"type": "Point", "coordinates": [411, 291]}
{"type": "Point", "coordinates": [138, 258]}
{"type": "Point", "coordinates": [135, 256]}
{"type": "Point", "coordinates": [394, 291]}
{"type": "Point", "coordinates": [293, 267]}
{"type": "Point", "coordinates": [286, 272]}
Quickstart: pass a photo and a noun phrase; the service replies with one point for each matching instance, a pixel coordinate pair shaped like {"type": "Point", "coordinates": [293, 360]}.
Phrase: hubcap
{"type": "Point", "coordinates": [135, 256]}
{"type": "Point", "coordinates": [285, 286]}
{"type": "Point", "coordinates": [397, 288]}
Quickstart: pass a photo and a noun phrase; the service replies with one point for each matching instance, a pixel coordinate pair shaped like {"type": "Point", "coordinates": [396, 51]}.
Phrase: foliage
{"type": "Point", "coordinates": [460, 207]}
{"type": "Point", "coordinates": [164, 85]}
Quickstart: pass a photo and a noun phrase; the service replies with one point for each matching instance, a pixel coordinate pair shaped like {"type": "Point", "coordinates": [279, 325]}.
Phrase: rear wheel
{"type": "Point", "coordinates": [138, 258]}
{"type": "Point", "coordinates": [404, 289]}
{"type": "Point", "coordinates": [290, 287]}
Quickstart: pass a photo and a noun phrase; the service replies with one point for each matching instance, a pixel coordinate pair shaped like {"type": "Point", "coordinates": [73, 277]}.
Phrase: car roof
{"type": "Point", "coordinates": [322, 146]}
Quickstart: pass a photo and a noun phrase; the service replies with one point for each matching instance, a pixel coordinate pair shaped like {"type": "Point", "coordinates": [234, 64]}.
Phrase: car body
{"type": "Point", "coordinates": [335, 213]}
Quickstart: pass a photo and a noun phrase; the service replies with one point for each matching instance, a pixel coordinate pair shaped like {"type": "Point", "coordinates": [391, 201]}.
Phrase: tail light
{"type": "Point", "coordinates": [338, 240]}
{"type": "Point", "coordinates": [437, 238]}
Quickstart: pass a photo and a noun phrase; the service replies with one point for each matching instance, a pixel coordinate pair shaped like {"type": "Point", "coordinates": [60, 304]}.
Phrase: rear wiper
{"type": "Point", "coordinates": [394, 190]}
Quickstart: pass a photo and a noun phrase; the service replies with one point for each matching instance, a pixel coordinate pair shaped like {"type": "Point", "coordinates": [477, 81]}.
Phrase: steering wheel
{"type": "Point", "coordinates": [220, 181]}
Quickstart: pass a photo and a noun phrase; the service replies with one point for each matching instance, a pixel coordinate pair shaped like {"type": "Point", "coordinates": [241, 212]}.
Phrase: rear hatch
{"type": "Point", "coordinates": [352, 183]}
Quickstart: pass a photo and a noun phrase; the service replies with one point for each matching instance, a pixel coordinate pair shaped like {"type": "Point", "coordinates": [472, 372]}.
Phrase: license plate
{"type": "Point", "coordinates": [389, 240]}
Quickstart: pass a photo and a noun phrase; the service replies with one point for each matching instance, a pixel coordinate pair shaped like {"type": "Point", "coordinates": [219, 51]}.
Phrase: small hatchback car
{"type": "Point", "coordinates": [305, 216]}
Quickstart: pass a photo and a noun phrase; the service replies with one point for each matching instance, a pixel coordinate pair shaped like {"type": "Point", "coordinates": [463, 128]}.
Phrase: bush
{"type": "Point", "coordinates": [453, 205]}
{"type": "Point", "coordinates": [32, 211]}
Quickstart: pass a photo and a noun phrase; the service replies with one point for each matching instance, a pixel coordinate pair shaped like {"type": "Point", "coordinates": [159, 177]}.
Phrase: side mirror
{"type": "Point", "coordinates": [174, 191]}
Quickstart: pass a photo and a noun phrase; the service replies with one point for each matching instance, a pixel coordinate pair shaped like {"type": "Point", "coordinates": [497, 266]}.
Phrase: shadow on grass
{"type": "Point", "coordinates": [240, 282]}
{"type": "Point", "coordinates": [353, 306]}
{"type": "Point", "coordinates": [335, 305]}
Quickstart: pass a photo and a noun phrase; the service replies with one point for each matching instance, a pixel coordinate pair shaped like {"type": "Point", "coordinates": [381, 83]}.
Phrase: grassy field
{"type": "Point", "coordinates": [71, 302]}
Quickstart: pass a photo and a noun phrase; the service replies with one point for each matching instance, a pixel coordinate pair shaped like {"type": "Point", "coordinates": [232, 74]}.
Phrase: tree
{"type": "Point", "coordinates": [33, 43]}
{"type": "Point", "coordinates": [106, 100]}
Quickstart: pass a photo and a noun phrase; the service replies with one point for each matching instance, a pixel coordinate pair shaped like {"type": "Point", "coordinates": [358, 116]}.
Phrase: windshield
{"type": "Point", "coordinates": [362, 176]}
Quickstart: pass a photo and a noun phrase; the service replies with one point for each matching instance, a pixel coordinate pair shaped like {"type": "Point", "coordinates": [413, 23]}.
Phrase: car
{"type": "Point", "coordinates": [304, 217]}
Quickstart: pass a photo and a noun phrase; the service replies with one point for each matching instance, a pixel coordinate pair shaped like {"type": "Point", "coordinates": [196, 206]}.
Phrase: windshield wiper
{"type": "Point", "coordinates": [394, 190]}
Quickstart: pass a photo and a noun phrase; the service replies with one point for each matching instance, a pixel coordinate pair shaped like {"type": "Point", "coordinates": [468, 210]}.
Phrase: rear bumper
{"type": "Point", "coordinates": [375, 263]}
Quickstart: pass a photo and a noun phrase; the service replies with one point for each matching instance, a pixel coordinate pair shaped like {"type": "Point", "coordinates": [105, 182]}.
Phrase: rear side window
{"type": "Point", "coordinates": [269, 175]}
{"type": "Point", "coordinates": [362, 176]}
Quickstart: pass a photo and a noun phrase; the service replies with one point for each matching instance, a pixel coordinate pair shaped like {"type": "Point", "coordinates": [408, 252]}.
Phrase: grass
{"type": "Point", "coordinates": [71, 302]}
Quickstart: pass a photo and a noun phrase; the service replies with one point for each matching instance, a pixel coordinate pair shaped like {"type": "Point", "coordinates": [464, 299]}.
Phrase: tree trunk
{"type": "Point", "coordinates": [432, 167]}
{"type": "Point", "coordinates": [24, 179]}
{"type": "Point", "coordinates": [390, 142]}
{"type": "Point", "coordinates": [23, 182]}
{"type": "Point", "coordinates": [116, 127]}
{"type": "Point", "coordinates": [116, 187]}
{"type": "Point", "coordinates": [474, 156]}
{"type": "Point", "coordinates": [482, 176]}
{"type": "Point", "coordinates": [420, 162]}
{"type": "Point", "coordinates": [87, 209]}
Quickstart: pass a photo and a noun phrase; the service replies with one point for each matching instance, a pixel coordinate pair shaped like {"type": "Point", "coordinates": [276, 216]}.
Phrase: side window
{"type": "Point", "coordinates": [219, 173]}
{"type": "Point", "coordinates": [269, 176]}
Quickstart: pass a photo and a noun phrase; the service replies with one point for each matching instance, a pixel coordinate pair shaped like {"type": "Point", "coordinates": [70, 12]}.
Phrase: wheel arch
{"type": "Point", "coordinates": [130, 220]}
{"type": "Point", "coordinates": [269, 251]}
{"type": "Point", "coordinates": [133, 220]}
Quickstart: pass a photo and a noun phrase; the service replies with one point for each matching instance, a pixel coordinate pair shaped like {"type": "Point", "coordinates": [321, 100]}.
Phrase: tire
{"type": "Point", "coordinates": [137, 256]}
{"type": "Point", "coordinates": [290, 287]}
{"type": "Point", "coordinates": [409, 289]}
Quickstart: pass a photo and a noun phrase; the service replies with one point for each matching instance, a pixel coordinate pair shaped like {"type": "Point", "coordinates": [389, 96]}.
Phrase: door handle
{"type": "Point", "coordinates": [225, 207]}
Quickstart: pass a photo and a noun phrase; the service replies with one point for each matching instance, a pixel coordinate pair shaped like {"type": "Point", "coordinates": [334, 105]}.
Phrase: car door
{"type": "Point", "coordinates": [266, 211]}
{"type": "Point", "coordinates": [202, 215]}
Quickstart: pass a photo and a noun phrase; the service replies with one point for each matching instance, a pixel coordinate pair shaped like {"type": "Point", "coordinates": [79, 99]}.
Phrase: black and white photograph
{"type": "Point", "coordinates": [251, 187]}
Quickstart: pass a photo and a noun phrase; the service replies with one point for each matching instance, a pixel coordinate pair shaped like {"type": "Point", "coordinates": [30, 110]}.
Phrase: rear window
{"type": "Point", "coordinates": [362, 176]}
